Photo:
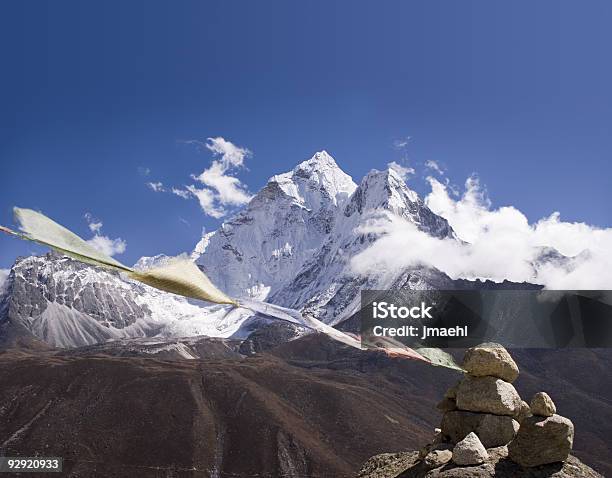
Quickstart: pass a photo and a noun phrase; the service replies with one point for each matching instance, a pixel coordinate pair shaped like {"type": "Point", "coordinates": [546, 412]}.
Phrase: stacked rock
{"type": "Point", "coordinates": [485, 402]}
{"type": "Point", "coordinates": [469, 451]}
{"type": "Point", "coordinates": [544, 437]}
{"type": "Point", "coordinates": [485, 411]}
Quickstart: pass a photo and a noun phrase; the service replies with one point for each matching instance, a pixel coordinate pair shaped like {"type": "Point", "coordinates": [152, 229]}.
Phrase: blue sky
{"type": "Point", "coordinates": [93, 95]}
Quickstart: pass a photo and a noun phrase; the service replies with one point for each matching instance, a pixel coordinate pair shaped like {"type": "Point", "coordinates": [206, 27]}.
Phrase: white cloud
{"type": "Point", "coordinates": [434, 166]}
{"type": "Point", "coordinates": [222, 189]}
{"type": "Point", "coordinates": [229, 189]}
{"type": "Point", "coordinates": [402, 143]}
{"type": "Point", "coordinates": [108, 246]}
{"type": "Point", "coordinates": [144, 171]}
{"type": "Point", "coordinates": [468, 212]}
{"type": "Point", "coordinates": [499, 244]}
{"type": "Point", "coordinates": [402, 171]}
{"type": "Point", "coordinates": [157, 187]}
{"type": "Point", "coordinates": [206, 199]}
{"type": "Point", "coordinates": [180, 193]}
{"type": "Point", "coordinates": [218, 187]}
{"type": "Point", "coordinates": [94, 224]}
{"type": "Point", "coordinates": [104, 244]}
{"type": "Point", "coordinates": [231, 155]}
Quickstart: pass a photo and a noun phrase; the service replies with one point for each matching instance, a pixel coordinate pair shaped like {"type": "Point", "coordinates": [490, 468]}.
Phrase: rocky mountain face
{"type": "Point", "coordinates": [66, 303]}
{"type": "Point", "coordinates": [291, 245]}
{"type": "Point", "coordinates": [326, 287]}
{"type": "Point", "coordinates": [265, 246]}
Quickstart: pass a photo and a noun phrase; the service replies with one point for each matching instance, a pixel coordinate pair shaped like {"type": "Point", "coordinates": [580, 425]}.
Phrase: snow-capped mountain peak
{"type": "Point", "coordinates": [316, 177]}
{"type": "Point", "coordinates": [383, 189]}
{"type": "Point", "coordinates": [326, 286]}
{"type": "Point", "coordinates": [292, 245]}
{"type": "Point", "coordinates": [386, 190]}
{"type": "Point", "coordinates": [266, 244]}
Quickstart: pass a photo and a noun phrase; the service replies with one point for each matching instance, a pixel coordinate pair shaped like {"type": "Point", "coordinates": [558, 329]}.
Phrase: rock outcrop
{"type": "Point", "coordinates": [408, 465]}
{"type": "Point", "coordinates": [484, 402]}
{"type": "Point", "coordinates": [490, 430]}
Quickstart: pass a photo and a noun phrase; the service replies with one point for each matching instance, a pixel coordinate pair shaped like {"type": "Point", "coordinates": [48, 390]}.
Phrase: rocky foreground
{"type": "Point", "coordinates": [408, 465]}
{"type": "Point", "coordinates": [488, 430]}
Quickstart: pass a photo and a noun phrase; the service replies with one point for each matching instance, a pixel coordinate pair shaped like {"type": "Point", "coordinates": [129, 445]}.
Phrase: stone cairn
{"type": "Point", "coordinates": [484, 411]}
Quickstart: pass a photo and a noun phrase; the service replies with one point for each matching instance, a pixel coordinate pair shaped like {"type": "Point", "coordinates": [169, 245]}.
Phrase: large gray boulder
{"type": "Point", "coordinates": [488, 395]}
{"type": "Point", "coordinates": [541, 441]}
{"type": "Point", "coordinates": [490, 360]}
{"type": "Point", "coordinates": [469, 451]}
{"type": "Point", "coordinates": [492, 430]}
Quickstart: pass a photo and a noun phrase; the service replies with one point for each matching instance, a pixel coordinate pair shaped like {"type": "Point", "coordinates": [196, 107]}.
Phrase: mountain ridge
{"type": "Point", "coordinates": [292, 245]}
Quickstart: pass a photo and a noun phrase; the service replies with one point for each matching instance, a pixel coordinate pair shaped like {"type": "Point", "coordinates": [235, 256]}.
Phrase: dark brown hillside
{"type": "Point", "coordinates": [306, 408]}
{"type": "Point", "coordinates": [110, 416]}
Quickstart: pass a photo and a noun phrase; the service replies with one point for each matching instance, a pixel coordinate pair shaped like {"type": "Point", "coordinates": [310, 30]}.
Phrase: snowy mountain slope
{"type": "Point", "coordinates": [66, 304]}
{"type": "Point", "coordinates": [326, 287]}
{"type": "Point", "coordinates": [263, 247]}
{"type": "Point", "coordinates": [293, 241]}
{"type": "Point", "coordinates": [291, 245]}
